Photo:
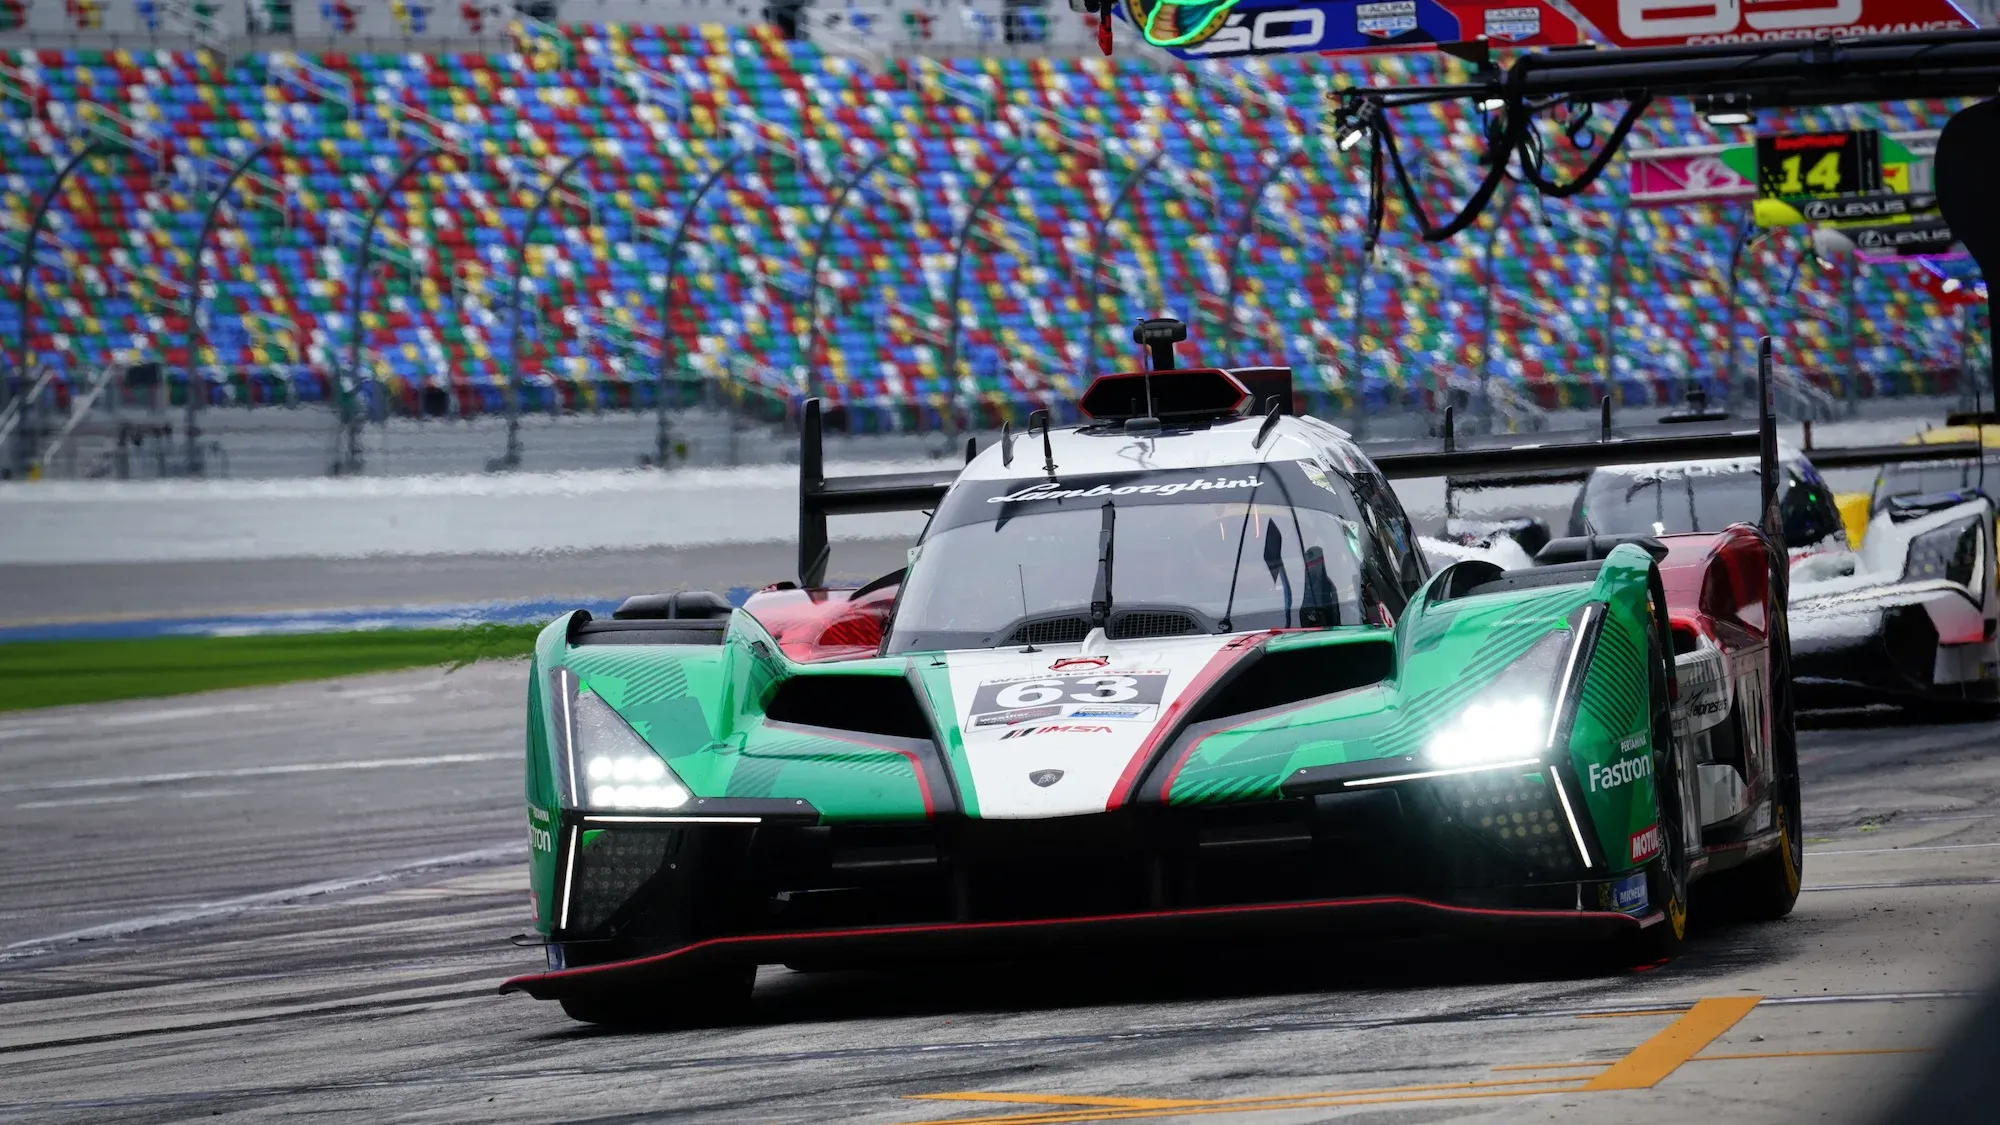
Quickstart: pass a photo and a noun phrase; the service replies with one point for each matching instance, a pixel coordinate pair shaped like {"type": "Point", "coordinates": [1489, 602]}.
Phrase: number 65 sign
{"type": "Point", "coordinates": [1654, 23]}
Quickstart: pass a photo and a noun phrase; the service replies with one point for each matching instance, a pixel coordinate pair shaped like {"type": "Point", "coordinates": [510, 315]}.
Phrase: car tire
{"type": "Point", "coordinates": [714, 999]}
{"type": "Point", "coordinates": [1766, 888]}
{"type": "Point", "coordinates": [1667, 876]}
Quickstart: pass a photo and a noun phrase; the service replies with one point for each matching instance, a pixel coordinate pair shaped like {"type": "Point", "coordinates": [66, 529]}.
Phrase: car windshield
{"type": "Point", "coordinates": [1240, 548]}
{"type": "Point", "coordinates": [1672, 499]}
{"type": "Point", "coordinates": [1919, 478]}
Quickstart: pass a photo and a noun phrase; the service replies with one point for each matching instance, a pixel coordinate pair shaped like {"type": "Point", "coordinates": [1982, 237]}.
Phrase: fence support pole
{"type": "Point", "coordinates": [1614, 265]}
{"type": "Point", "coordinates": [24, 435]}
{"type": "Point", "coordinates": [511, 458]}
{"type": "Point", "coordinates": [1099, 239]}
{"type": "Point", "coordinates": [347, 445]}
{"type": "Point", "coordinates": [809, 338]}
{"type": "Point", "coordinates": [714, 177]}
{"type": "Point", "coordinates": [1486, 319]}
{"type": "Point", "coordinates": [1242, 232]}
{"type": "Point", "coordinates": [1746, 235]}
{"type": "Point", "coordinates": [1363, 266]}
{"type": "Point", "coordinates": [193, 337]}
{"type": "Point", "coordinates": [959, 241]}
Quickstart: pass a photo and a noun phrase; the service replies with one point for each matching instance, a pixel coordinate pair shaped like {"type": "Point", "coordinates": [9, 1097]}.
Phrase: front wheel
{"type": "Point", "coordinates": [1766, 888]}
{"type": "Point", "coordinates": [711, 1000]}
{"type": "Point", "coordinates": [1667, 876]}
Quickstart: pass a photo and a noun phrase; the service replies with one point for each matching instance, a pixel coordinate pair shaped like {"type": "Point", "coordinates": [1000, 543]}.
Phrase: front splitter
{"type": "Point", "coordinates": [1348, 917]}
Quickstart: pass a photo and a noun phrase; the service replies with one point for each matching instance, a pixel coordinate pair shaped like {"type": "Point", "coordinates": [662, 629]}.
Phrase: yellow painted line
{"type": "Point", "coordinates": [1642, 1068]}
{"type": "Point", "coordinates": [1683, 1039]}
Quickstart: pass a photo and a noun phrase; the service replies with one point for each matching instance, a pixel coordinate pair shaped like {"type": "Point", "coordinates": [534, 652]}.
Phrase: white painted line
{"type": "Point", "coordinates": [183, 795]}
{"type": "Point", "coordinates": [170, 714]}
{"type": "Point", "coordinates": [203, 912]}
{"type": "Point", "coordinates": [258, 771]}
{"type": "Point", "coordinates": [1911, 848]}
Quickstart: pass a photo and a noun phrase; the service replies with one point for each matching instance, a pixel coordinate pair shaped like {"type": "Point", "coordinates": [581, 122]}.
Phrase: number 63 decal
{"type": "Point", "coordinates": [1055, 691]}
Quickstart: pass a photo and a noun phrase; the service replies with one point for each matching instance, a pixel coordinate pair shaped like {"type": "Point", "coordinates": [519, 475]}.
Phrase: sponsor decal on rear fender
{"type": "Point", "coordinates": [1645, 844]}
{"type": "Point", "coordinates": [1628, 895]}
{"type": "Point", "coordinates": [1624, 771]}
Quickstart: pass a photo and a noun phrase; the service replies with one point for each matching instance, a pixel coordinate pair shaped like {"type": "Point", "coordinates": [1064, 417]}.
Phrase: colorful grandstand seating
{"type": "Point", "coordinates": [657, 106]}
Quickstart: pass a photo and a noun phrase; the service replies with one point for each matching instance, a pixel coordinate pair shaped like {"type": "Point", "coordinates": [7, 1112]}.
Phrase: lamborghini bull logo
{"type": "Point", "coordinates": [1045, 778]}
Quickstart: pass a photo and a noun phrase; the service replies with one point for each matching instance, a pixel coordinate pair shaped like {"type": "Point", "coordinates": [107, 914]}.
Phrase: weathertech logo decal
{"type": "Point", "coordinates": [1645, 844]}
{"type": "Point", "coordinates": [1057, 728]}
{"type": "Point", "coordinates": [1624, 771]}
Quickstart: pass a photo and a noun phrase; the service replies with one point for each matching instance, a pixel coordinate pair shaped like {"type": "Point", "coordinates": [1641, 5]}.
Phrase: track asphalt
{"type": "Point", "coordinates": [295, 900]}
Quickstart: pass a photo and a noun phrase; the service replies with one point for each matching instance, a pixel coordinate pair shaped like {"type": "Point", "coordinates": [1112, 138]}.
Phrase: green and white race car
{"type": "Point", "coordinates": [1180, 672]}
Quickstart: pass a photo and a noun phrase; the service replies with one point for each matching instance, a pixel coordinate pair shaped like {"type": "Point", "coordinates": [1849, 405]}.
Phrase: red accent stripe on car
{"type": "Point", "coordinates": [1170, 718]}
{"type": "Point", "coordinates": [519, 983]}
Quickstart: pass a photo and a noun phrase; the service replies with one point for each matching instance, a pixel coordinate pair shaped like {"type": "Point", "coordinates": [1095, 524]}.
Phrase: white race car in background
{"type": "Point", "coordinates": [1912, 616]}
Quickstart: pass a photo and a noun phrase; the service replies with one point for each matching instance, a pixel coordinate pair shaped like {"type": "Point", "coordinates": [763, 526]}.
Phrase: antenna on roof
{"type": "Point", "coordinates": [1604, 417]}
{"type": "Point", "coordinates": [1048, 447]}
{"type": "Point", "coordinates": [1007, 444]}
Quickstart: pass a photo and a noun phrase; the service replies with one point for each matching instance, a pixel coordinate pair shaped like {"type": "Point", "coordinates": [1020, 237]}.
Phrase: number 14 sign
{"type": "Point", "coordinates": [1819, 165]}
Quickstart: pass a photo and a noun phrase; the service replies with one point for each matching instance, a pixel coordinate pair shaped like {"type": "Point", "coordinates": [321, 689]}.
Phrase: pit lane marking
{"type": "Point", "coordinates": [1652, 1061]}
{"type": "Point", "coordinates": [1641, 1068]}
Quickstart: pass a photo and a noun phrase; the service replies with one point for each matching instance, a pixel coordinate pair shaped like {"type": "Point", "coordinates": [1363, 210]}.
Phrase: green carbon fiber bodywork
{"type": "Point", "coordinates": [700, 707]}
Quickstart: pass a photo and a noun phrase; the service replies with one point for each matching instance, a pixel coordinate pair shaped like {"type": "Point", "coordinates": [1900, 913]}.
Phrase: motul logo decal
{"type": "Point", "coordinates": [1645, 844]}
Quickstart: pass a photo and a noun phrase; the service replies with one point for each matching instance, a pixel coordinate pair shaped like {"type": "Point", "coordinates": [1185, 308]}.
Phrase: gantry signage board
{"type": "Point", "coordinates": [1670, 23]}
{"type": "Point", "coordinates": [1235, 28]}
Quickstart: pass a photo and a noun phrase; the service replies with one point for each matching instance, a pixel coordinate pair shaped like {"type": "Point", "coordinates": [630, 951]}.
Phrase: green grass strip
{"type": "Point", "coordinates": [54, 673]}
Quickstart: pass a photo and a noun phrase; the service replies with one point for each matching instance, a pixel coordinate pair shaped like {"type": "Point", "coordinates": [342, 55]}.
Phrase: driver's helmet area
{"type": "Point", "coordinates": [1194, 551]}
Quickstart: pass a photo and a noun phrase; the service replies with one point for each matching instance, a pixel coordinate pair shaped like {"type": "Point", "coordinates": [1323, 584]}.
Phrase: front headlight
{"type": "Point", "coordinates": [1510, 719]}
{"type": "Point", "coordinates": [614, 767]}
{"type": "Point", "coordinates": [1950, 553]}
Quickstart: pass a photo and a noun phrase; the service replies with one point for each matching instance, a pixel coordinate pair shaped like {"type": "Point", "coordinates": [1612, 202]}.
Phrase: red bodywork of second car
{"type": "Point", "coordinates": [1723, 606]}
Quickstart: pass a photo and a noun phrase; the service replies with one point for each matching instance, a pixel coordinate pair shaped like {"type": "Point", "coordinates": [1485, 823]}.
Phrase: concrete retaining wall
{"type": "Point", "coordinates": [154, 521]}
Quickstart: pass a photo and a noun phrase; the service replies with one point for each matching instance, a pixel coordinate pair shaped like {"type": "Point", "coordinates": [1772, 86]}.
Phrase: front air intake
{"type": "Point", "coordinates": [864, 704]}
{"type": "Point", "coordinates": [1275, 679]}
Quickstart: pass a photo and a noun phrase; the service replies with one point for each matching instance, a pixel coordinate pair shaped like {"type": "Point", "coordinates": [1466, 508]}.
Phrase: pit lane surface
{"type": "Point", "coordinates": [295, 899]}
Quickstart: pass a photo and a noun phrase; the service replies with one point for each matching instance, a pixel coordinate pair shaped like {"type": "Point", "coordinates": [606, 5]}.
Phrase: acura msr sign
{"type": "Point", "coordinates": [1660, 23]}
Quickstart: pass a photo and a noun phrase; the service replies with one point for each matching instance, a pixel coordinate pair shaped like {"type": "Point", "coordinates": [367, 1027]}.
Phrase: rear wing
{"type": "Point", "coordinates": [1541, 462]}
{"type": "Point", "coordinates": [820, 497]}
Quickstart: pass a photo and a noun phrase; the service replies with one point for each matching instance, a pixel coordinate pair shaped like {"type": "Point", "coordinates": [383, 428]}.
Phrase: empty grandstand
{"type": "Point", "coordinates": [935, 223]}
